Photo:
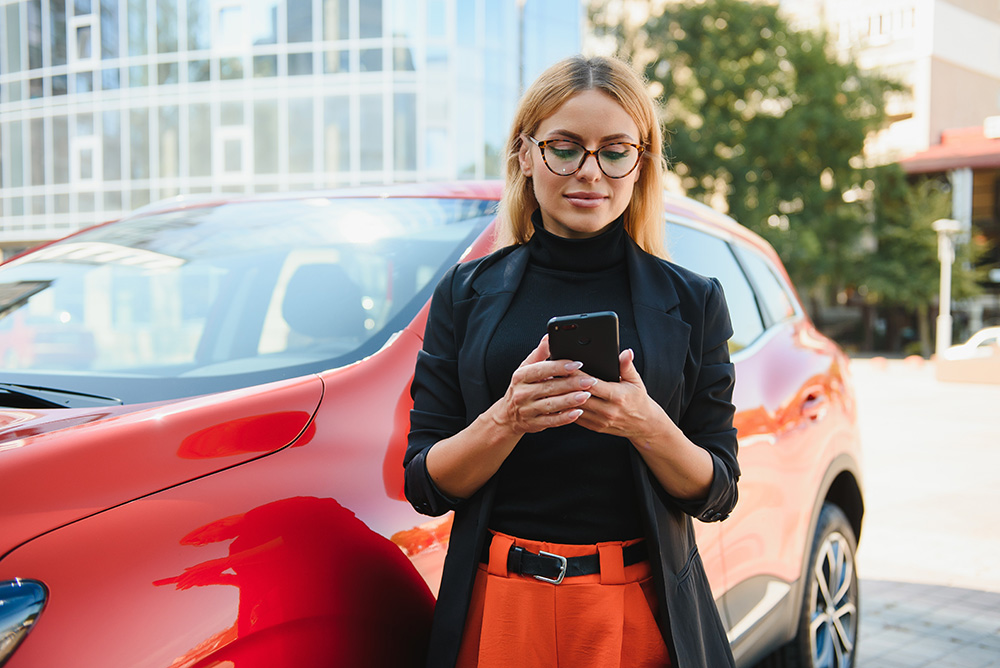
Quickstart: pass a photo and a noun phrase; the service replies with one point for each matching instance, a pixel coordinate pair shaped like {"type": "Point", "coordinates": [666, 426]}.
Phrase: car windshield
{"type": "Point", "coordinates": [205, 299]}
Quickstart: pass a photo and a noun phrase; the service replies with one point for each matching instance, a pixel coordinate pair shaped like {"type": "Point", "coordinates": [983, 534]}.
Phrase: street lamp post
{"type": "Point", "coordinates": [946, 229]}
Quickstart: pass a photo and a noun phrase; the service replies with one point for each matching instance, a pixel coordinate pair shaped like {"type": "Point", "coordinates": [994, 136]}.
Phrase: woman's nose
{"type": "Point", "coordinates": [590, 170]}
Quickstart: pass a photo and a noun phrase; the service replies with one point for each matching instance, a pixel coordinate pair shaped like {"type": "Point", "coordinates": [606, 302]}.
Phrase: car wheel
{"type": "Point", "coordinates": [828, 624]}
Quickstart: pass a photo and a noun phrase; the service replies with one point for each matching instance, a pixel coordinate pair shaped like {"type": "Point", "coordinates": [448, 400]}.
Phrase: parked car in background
{"type": "Point", "coordinates": [202, 466]}
{"type": "Point", "coordinates": [975, 361]}
{"type": "Point", "coordinates": [984, 343]}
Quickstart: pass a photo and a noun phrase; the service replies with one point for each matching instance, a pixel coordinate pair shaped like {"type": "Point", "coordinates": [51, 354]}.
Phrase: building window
{"type": "Point", "coordinates": [370, 19]}
{"type": "Point", "coordinates": [111, 145]}
{"type": "Point", "coordinates": [265, 66]}
{"type": "Point", "coordinates": [199, 140]}
{"type": "Point", "coordinates": [199, 70]}
{"type": "Point", "coordinates": [371, 132]}
{"type": "Point", "coordinates": [15, 137]}
{"type": "Point", "coordinates": [300, 20]}
{"type": "Point", "coordinates": [12, 30]}
{"type": "Point", "coordinates": [199, 25]}
{"type": "Point", "coordinates": [57, 33]}
{"type": "Point", "coordinates": [109, 29]}
{"type": "Point", "coordinates": [371, 60]}
{"type": "Point", "coordinates": [404, 141]}
{"type": "Point", "coordinates": [265, 136]}
{"type": "Point", "coordinates": [230, 27]}
{"type": "Point", "coordinates": [34, 34]}
{"type": "Point", "coordinates": [300, 63]}
{"type": "Point", "coordinates": [300, 135]}
{"type": "Point", "coordinates": [230, 145]}
{"type": "Point", "coordinates": [169, 133]}
{"type": "Point", "coordinates": [139, 144]}
{"type": "Point", "coordinates": [337, 134]}
{"type": "Point", "coordinates": [83, 152]}
{"type": "Point", "coordinates": [60, 150]}
{"type": "Point", "coordinates": [336, 19]}
{"type": "Point", "coordinates": [166, 26]}
{"type": "Point", "coordinates": [137, 28]}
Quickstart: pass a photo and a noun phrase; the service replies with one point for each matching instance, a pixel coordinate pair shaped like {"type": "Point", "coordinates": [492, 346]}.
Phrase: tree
{"type": "Point", "coordinates": [765, 119]}
{"type": "Point", "coordinates": [903, 271]}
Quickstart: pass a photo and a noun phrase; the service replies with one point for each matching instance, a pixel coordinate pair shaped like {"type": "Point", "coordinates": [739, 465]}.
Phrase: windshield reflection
{"type": "Point", "coordinates": [243, 291]}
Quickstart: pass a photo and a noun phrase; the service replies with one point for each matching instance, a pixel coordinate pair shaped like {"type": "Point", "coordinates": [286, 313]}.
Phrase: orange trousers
{"type": "Point", "coordinates": [604, 620]}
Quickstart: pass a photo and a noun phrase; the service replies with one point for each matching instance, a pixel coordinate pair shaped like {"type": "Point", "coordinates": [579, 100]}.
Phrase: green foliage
{"type": "Point", "coordinates": [768, 119]}
{"type": "Point", "coordinates": [904, 268]}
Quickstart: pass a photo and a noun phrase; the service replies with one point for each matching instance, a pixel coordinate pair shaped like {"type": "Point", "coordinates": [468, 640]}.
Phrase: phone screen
{"type": "Point", "coordinates": [591, 338]}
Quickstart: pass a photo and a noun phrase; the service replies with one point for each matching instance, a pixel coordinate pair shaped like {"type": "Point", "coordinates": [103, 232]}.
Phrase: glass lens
{"type": "Point", "coordinates": [617, 159]}
{"type": "Point", "coordinates": [563, 157]}
{"type": "Point", "coordinates": [566, 157]}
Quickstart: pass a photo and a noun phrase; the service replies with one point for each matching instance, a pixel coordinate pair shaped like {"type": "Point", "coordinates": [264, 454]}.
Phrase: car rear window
{"type": "Point", "coordinates": [709, 255]}
{"type": "Point", "coordinates": [778, 304]}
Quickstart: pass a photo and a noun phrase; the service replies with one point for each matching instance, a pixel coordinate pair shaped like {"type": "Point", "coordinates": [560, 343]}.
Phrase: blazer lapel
{"type": "Point", "coordinates": [492, 292]}
{"type": "Point", "coordinates": [662, 334]}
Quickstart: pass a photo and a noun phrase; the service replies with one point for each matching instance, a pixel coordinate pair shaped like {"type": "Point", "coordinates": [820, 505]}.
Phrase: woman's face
{"type": "Point", "coordinates": [583, 204]}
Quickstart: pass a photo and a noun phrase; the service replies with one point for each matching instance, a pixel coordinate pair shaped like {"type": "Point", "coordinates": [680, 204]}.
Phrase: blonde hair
{"type": "Point", "coordinates": [644, 214]}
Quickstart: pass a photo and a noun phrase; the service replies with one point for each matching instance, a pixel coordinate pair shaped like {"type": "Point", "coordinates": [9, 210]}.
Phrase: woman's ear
{"type": "Point", "coordinates": [524, 158]}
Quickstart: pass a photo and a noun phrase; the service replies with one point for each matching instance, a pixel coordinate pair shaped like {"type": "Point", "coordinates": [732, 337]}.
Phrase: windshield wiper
{"type": "Point", "coordinates": [52, 397]}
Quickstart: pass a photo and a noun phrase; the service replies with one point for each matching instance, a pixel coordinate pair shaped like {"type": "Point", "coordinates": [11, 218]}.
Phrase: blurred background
{"type": "Point", "coordinates": [840, 130]}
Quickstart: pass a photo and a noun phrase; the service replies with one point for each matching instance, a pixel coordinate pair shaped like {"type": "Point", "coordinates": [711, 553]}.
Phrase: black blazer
{"type": "Point", "coordinates": [683, 326]}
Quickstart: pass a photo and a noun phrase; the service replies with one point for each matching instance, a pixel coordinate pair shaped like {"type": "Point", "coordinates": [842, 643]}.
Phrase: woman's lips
{"type": "Point", "coordinates": [587, 200]}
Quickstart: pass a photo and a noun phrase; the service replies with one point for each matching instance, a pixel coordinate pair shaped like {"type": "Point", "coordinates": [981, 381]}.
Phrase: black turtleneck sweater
{"type": "Point", "coordinates": [568, 484]}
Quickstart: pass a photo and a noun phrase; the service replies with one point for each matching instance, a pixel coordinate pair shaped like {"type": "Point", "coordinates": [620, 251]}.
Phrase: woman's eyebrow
{"type": "Point", "coordinates": [574, 136]}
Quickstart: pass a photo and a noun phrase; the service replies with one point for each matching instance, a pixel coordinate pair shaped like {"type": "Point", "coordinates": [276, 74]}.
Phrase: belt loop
{"type": "Point", "coordinates": [612, 563]}
{"type": "Point", "coordinates": [499, 549]}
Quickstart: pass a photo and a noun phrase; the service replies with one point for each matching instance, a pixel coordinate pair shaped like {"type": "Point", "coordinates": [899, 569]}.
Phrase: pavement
{"type": "Point", "coordinates": [929, 558]}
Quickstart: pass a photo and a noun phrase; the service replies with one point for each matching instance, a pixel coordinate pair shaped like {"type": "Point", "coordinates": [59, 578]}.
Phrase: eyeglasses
{"type": "Point", "coordinates": [565, 158]}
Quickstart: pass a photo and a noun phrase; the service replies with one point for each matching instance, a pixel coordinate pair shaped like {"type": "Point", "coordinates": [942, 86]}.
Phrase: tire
{"type": "Point", "coordinates": [828, 622]}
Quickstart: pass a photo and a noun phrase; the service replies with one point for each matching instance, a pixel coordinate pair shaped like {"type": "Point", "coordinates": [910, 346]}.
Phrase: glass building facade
{"type": "Point", "coordinates": [107, 105]}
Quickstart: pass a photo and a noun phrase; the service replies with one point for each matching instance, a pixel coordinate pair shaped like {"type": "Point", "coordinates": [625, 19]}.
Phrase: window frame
{"type": "Point", "coordinates": [737, 246]}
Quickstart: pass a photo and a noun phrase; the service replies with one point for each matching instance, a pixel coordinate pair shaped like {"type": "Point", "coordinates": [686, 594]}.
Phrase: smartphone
{"type": "Point", "coordinates": [591, 338]}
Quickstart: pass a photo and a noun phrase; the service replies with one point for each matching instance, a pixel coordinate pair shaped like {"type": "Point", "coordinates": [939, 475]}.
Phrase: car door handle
{"type": "Point", "coordinates": [814, 405]}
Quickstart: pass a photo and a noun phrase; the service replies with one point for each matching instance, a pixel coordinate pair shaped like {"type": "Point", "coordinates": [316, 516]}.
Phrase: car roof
{"type": "Point", "coordinates": [677, 207]}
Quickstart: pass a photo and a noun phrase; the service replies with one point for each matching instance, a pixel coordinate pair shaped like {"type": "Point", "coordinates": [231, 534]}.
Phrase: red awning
{"type": "Point", "coordinates": [963, 147]}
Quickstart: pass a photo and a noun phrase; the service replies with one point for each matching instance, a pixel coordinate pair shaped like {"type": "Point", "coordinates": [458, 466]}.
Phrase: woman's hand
{"type": "Point", "coordinates": [625, 409]}
{"type": "Point", "coordinates": [543, 393]}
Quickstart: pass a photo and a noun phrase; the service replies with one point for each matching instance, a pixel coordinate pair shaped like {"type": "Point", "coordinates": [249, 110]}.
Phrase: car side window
{"type": "Point", "coordinates": [778, 304]}
{"type": "Point", "coordinates": [711, 256]}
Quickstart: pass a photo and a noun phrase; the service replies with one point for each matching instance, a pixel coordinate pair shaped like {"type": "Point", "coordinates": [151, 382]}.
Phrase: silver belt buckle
{"type": "Point", "coordinates": [562, 569]}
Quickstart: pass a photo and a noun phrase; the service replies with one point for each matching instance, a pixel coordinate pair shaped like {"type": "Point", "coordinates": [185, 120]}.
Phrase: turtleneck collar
{"type": "Point", "coordinates": [603, 251]}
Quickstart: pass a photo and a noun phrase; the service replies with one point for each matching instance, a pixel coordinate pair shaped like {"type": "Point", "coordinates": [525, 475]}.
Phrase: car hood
{"type": "Point", "coordinates": [61, 465]}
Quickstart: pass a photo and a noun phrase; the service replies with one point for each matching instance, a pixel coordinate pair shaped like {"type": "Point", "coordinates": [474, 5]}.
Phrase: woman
{"type": "Point", "coordinates": [572, 541]}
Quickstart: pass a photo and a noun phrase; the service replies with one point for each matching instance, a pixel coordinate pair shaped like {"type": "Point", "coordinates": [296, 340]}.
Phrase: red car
{"type": "Point", "coordinates": [214, 477]}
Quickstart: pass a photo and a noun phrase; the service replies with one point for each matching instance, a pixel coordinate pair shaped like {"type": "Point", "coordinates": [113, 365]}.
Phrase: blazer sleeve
{"type": "Point", "coordinates": [438, 407]}
{"type": "Point", "coordinates": [708, 417]}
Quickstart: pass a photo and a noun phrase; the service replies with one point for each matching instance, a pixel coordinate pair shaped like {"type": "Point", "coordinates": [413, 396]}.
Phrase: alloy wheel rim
{"type": "Point", "coordinates": [833, 623]}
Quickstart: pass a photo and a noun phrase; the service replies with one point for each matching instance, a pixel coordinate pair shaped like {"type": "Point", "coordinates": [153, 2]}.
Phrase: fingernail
{"type": "Point", "coordinates": [582, 396]}
{"type": "Point", "coordinates": [573, 366]}
{"type": "Point", "coordinates": [588, 382]}
{"type": "Point", "coordinates": [575, 413]}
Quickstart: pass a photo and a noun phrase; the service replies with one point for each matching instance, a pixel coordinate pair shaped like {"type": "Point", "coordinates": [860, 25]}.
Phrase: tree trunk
{"type": "Point", "coordinates": [924, 327]}
{"type": "Point", "coordinates": [868, 325]}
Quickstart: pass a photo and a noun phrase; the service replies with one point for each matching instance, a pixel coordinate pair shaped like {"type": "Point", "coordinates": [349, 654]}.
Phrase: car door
{"type": "Point", "coordinates": [711, 255]}
{"type": "Point", "coordinates": [783, 394]}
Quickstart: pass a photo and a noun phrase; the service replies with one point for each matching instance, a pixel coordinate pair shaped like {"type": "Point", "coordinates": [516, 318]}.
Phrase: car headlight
{"type": "Point", "coordinates": [21, 601]}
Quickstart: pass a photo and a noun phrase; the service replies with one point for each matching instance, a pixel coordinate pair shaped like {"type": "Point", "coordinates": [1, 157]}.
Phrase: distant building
{"type": "Point", "coordinates": [946, 121]}
{"type": "Point", "coordinates": [107, 105]}
{"type": "Point", "coordinates": [946, 53]}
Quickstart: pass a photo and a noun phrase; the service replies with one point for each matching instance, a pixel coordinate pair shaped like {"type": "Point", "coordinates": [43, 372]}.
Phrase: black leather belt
{"type": "Point", "coordinates": [553, 568]}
